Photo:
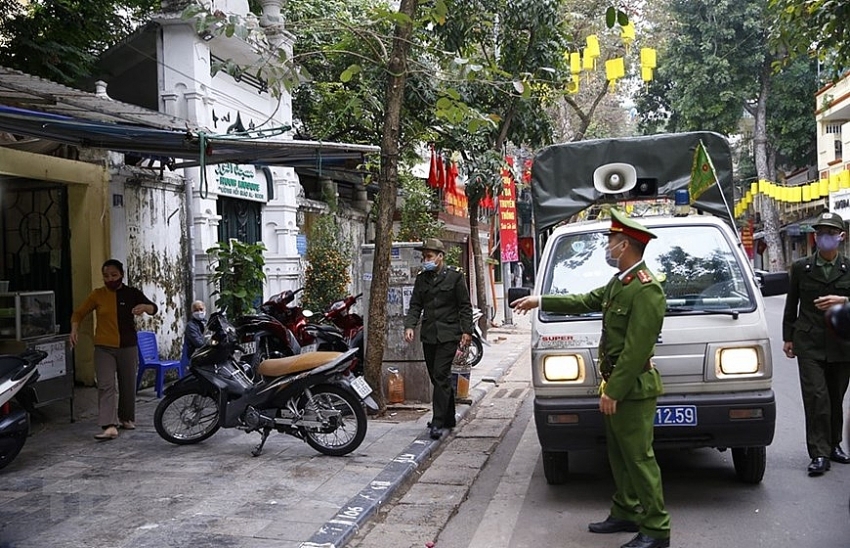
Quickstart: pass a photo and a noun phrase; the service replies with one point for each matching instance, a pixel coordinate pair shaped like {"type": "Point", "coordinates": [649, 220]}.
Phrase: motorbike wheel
{"type": "Point", "coordinates": [10, 447]}
{"type": "Point", "coordinates": [350, 425]}
{"type": "Point", "coordinates": [186, 416]}
{"type": "Point", "coordinates": [475, 352]}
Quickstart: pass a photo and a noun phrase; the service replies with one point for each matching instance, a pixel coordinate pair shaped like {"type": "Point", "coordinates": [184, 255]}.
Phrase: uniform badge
{"type": "Point", "coordinates": [644, 276]}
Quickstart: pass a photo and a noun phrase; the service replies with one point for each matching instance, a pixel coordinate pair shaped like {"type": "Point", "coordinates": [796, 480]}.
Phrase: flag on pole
{"type": "Point", "coordinates": [432, 172]}
{"type": "Point", "coordinates": [702, 173]}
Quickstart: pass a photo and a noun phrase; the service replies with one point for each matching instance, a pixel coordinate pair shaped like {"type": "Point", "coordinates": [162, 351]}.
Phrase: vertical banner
{"type": "Point", "coordinates": [747, 239]}
{"type": "Point", "coordinates": [507, 219]}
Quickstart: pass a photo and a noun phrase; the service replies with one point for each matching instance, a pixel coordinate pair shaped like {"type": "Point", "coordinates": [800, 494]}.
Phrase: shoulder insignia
{"type": "Point", "coordinates": [627, 280]}
{"type": "Point", "coordinates": [644, 276]}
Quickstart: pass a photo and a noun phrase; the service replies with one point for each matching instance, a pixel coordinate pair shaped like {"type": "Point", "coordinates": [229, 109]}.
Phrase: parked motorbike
{"type": "Point", "coordinates": [308, 396]}
{"type": "Point", "coordinates": [337, 323]}
{"type": "Point", "coordinates": [475, 350]}
{"type": "Point", "coordinates": [17, 371]}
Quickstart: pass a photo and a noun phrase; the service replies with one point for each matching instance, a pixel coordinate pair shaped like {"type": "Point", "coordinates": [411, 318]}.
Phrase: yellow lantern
{"type": "Point", "coordinates": [586, 61]}
{"type": "Point", "coordinates": [592, 46]}
{"type": "Point", "coordinates": [844, 179]}
{"type": "Point", "coordinates": [647, 58]}
{"type": "Point", "coordinates": [798, 194]}
{"type": "Point", "coordinates": [615, 68]}
{"type": "Point", "coordinates": [806, 193]}
{"type": "Point", "coordinates": [814, 190]}
{"type": "Point", "coordinates": [754, 188]}
{"type": "Point", "coordinates": [572, 85]}
{"type": "Point", "coordinates": [823, 187]}
{"type": "Point", "coordinates": [575, 62]}
{"type": "Point", "coordinates": [627, 33]}
{"type": "Point", "coordinates": [833, 182]}
{"type": "Point", "coordinates": [762, 186]}
{"type": "Point", "coordinates": [646, 74]}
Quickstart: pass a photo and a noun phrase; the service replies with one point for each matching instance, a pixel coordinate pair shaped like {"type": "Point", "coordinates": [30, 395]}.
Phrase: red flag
{"type": "Point", "coordinates": [441, 172]}
{"type": "Point", "coordinates": [432, 172]}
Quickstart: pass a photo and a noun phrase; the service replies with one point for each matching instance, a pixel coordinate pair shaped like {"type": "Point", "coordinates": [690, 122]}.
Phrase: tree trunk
{"type": "Point", "coordinates": [388, 181]}
{"type": "Point", "coordinates": [767, 207]}
{"type": "Point", "coordinates": [477, 256]}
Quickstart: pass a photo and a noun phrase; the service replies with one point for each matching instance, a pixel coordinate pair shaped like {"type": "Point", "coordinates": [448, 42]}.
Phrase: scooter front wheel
{"type": "Point", "coordinates": [186, 416]}
{"type": "Point", "coordinates": [344, 415]}
{"type": "Point", "coordinates": [475, 352]}
{"type": "Point", "coordinates": [10, 446]}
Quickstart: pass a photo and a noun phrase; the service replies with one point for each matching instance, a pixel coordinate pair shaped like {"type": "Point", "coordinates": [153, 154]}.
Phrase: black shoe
{"type": "Point", "coordinates": [818, 466]}
{"type": "Point", "coordinates": [643, 541]}
{"type": "Point", "coordinates": [613, 525]}
{"type": "Point", "coordinates": [838, 455]}
{"type": "Point", "coordinates": [436, 433]}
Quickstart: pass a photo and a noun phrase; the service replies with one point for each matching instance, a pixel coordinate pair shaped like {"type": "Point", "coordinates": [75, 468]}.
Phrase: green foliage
{"type": "Point", "coordinates": [818, 27]}
{"type": "Point", "coordinates": [61, 39]}
{"type": "Point", "coordinates": [329, 259]}
{"type": "Point", "coordinates": [791, 124]}
{"type": "Point", "coordinates": [417, 220]}
{"type": "Point", "coordinates": [237, 275]}
{"type": "Point", "coordinates": [453, 256]}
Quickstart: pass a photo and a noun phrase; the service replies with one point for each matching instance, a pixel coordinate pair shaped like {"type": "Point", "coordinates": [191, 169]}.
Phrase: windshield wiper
{"type": "Point", "coordinates": [709, 311]}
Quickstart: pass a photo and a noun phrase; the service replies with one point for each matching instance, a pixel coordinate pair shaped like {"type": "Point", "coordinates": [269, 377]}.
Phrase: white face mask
{"type": "Point", "coordinates": [610, 259]}
{"type": "Point", "coordinates": [199, 315]}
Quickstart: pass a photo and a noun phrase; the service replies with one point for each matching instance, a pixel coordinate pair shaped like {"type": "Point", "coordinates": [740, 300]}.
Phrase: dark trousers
{"type": "Point", "coordinates": [823, 386]}
{"type": "Point", "coordinates": [438, 359]}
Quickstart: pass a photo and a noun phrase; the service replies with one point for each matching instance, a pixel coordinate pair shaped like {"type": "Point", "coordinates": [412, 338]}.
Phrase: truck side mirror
{"type": "Point", "coordinates": [773, 283]}
{"type": "Point", "coordinates": [515, 293]}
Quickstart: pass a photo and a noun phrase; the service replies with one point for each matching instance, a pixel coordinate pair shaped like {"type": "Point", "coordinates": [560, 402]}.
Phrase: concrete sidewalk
{"type": "Point", "coordinates": [67, 490]}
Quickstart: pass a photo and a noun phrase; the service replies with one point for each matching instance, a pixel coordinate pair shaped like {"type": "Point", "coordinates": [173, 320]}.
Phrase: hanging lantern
{"type": "Point", "coordinates": [614, 70]}
{"type": "Point", "coordinates": [627, 33]}
{"type": "Point", "coordinates": [586, 61]}
{"type": "Point", "coordinates": [592, 46]}
{"type": "Point", "coordinates": [647, 58]}
{"type": "Point", "coordinates": [844, 179]}
{"type": "Point", "coordinates": [806, 193]}
{"type": "Point", "coordinates": [814, 190]}
{"type": "Point", "coordinates": [824, 187]}
{"type": "Point", "coordinates": [833, 182]}
{"type": "Point", "coordinates": [575, 62]}
{"type": "Point", "coordinates": [754, 188]}
{"type": "Point", "coordinates": [572, 85]}
{"type": "Point", "coordinates": [646, 74]}
{"type": "Point", "coordinates": [798, 194]}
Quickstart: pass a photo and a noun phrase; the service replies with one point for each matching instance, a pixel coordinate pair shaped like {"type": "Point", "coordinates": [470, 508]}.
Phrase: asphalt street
{"type": "Point", "coordinates": [67, 490]}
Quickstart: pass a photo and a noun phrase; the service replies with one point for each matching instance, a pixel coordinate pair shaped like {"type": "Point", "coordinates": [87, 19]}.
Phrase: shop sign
{"type": "Point", "coordinates": [240, 181]}
{"type": "Point", "coordinates": [839, 202]}
{"type": "Point", "coordinates": [508, 220]}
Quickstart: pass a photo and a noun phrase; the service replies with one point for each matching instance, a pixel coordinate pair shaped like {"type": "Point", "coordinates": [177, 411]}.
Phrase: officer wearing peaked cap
{"type": "Point", "coordinates": [633, 307]}
{"type": "Point", "coordinates": [819, 282]}
{"type": "Point", "coordinates": [440, 298]}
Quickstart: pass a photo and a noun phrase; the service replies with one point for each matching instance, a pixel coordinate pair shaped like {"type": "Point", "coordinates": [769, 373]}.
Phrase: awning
{"type": "Point", "coordinates": [34, 107]}
{"type": "Point", "coordinates": [799, 228]}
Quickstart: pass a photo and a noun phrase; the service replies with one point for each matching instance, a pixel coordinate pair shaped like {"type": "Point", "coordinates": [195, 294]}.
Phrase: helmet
{"type": "Point", "coordinates": [838, 320]}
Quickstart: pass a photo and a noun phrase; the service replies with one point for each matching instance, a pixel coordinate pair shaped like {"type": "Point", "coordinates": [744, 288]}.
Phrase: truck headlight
{"type": "Point", "coordinates": [563, 368]}
{"type": "Point", "coordinates": [737, 361]}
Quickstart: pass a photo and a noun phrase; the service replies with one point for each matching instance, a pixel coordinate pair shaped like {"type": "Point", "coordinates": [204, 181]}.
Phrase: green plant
{"type": "Point", "coordinates": [237, 275]}
{"type": "Point", "coordinates": [326, 277]}
{"type": "Point", "coordinates": [417, 222]}
{"type": "Point", "coordinates": [453, 255]}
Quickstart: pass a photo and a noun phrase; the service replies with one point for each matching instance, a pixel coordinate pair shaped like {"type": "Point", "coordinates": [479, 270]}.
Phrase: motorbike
{"type": "Point", "coordinates": [17, 372]}
{"type": "Point", "coordinates": [308, 396]}
{"type": "Point", "coordinates": [474, 351]}
{"type": "Point", "coordinates": [337, 324]}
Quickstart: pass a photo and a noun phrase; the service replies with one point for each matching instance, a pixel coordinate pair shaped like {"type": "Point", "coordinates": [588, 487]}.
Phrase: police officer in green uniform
{"type": "Point", "coordinates": [441, 299]}
{"type": "Point", "coordinates": [633, 306]}
{"type": "Point", "coordinates": [819, 282]}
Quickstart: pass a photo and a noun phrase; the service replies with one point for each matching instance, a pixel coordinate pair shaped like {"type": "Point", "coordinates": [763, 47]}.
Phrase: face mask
{"type": "Point", "coordinates": [610, 259]}
{"type": "Point", "coordinates": [828, 242]}
{"type": "Point", "coordinates": [114, 284]}
{"type": "Point", "coordinates": [429, 266]}
{"type": "Point", "coordinates": [200, 316]}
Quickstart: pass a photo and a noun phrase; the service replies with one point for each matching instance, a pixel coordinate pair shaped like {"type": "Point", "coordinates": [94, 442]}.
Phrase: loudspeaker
{"type": "Point", "coordinates": [646, 188]}
{"type": "Point", "coordinates": [614, 178]}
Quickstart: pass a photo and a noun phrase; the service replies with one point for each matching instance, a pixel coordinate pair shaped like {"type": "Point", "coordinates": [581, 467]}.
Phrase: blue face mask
{"type": "Point", "coordinates": [828, 242]}
{"type": "Point", "coordinates": [429, 265]}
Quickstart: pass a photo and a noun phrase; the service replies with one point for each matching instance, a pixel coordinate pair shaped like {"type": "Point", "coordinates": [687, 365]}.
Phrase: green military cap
{"type": "Point", "coordinates": [620, 224]}
{"type": "Point", "coordinates": [832, 220]}
{"type": "Point", "coordinates": [431, 244]}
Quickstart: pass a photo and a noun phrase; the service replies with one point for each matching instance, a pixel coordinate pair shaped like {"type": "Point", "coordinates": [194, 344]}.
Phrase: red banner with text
{"type": "Point", "coordinates": [507, 219]}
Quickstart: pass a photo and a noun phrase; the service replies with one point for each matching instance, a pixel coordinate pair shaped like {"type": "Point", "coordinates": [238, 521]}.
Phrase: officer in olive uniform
{"type": "Point", "coordinates": [633, 307]}
{"type": "Point", "coordinates": [819, 282]}
{"type": "Point", "coordinates": [441, 299]}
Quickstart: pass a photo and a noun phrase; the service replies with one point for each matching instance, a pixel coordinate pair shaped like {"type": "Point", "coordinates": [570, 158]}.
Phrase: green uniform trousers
{"type": "Point", "coordinates": [823, 385]}
{"type": "Point", "coordinates": [639, 496]}
{"type": "Point", "coordinates": [438, 359]}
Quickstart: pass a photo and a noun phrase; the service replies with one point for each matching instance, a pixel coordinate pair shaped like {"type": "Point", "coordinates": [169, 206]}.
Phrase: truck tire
{"type": "Point", "coordinates": [556, 467]}
{"type": "Point", "coordinates": [750, 463]}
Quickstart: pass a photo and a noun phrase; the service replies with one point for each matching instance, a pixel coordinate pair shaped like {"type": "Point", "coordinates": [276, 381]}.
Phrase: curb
{"type": "Point", "coordinates": [340, 529]}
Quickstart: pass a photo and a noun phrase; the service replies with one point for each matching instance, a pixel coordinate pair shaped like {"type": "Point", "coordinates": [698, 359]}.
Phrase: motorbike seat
{"type": "Point", "coordinates": [278, 367]}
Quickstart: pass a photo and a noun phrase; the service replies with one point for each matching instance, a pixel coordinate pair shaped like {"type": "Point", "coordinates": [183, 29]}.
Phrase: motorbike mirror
{"type": "Point", "coordinates": [307, 313]}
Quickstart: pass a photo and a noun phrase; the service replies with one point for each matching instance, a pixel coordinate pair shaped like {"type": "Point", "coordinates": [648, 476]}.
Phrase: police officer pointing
{"type": "Point", "coordinates": [633, 307]}
{"type": "Point", "coordinates": [441, 299]}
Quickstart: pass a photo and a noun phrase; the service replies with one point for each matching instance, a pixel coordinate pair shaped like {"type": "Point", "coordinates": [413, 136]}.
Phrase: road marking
{"type": "Point", "coordinates": [503, 511]}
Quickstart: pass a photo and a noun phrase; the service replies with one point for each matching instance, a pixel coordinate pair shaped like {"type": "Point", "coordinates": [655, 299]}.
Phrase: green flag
{"type": "Point", "coordinates": [702, 173]}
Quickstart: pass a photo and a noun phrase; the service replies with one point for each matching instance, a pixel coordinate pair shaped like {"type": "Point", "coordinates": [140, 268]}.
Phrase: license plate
{"type": "Point", "coordinates": [360, 386]}
{"type": "Point", "coordinates": [309, 348]}
{"type": "Point", "coordinates": [676, 415]}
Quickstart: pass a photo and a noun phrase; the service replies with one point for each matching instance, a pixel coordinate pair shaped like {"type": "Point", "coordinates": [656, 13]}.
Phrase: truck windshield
{"type": "Point", "coordinates": [697, 268]}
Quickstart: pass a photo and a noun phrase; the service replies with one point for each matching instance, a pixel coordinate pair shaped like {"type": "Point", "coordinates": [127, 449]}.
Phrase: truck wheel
{"type": "Point", "coordinates": [556, 466]}
{"type": "Point", "coordinates": [750, 463]}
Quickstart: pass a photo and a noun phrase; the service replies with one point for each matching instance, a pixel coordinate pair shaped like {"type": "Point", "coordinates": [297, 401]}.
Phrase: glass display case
{"type": "Point", "coordinates": [27, 315]}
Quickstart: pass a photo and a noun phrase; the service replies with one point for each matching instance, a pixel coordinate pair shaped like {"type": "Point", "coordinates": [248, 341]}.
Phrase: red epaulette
{"type": "Point", "coordinates": [644, 276]}
{"type": "Point", "coordinates": [628, 279]}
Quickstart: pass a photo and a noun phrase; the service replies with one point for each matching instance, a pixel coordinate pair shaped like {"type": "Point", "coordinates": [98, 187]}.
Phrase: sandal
{"type": "Point", "coordinates": [128, 425]}
{"type": "Point", "coordinates": [109, 433]}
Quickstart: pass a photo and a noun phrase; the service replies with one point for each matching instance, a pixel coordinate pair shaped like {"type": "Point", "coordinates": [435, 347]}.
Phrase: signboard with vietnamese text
{"type": "Point", "coordinates": [242, 181]}
{"type": "Point", "coordinates": [508, 220]}
{"type": "Point", "coordinates": [747, 239]}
